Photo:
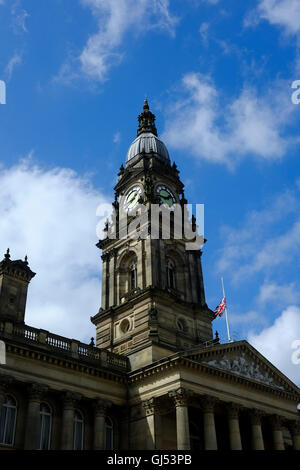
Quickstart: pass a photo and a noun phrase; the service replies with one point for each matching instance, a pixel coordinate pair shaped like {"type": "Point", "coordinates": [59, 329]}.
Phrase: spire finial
{"type": "Point", "coordinates": [146, 120]}
{"type": "Point", "coordinates": [7, 255]}
{"type": "Point", "coordinates": [26, 259]}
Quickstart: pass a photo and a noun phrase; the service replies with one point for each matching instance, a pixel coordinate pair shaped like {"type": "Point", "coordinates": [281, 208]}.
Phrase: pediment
{"type": "Point", "coordinates": [242, 360]}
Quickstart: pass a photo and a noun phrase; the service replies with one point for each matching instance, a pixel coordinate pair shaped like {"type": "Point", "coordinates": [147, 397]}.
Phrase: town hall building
{"type": "Point", "coordinates": [156, 377]}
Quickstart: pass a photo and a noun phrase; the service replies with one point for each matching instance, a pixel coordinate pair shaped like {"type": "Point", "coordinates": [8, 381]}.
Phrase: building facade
{"type": "Point", "coordinates": [156, 378]}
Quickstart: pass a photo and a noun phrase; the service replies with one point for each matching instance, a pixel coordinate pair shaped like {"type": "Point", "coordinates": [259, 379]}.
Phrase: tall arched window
{"type": "Point", "coordinates": [170, 275]}
{"type": "Point", "coordinates": [8, 421]}
{"type": "Point", "coordinates": [45, 426]}
{"type": "Point", "coordinates": [109, 433]}
{"type": "Point", "coordinates": [78, 430]}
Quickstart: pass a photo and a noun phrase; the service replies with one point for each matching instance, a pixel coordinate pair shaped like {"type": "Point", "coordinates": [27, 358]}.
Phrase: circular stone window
{"type": "Point", "coordinates": [125, 325]}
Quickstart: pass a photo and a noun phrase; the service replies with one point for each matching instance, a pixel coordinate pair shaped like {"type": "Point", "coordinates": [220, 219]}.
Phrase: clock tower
{"type": "Point", "coordinates": [153, 301]}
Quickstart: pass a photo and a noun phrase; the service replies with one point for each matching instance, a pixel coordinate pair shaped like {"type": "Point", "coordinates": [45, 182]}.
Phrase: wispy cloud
{"type": "Point", "coordinates": [284, 14]}
{"type": "Point", "coordinates": [250, 124]}
{"type": "Point", "coordinates": [19, 17]}
{"type": "Point", "coordinates": [105, 48]}
{"type": "Point", "coordinates": [251, 248]}
{"type": "Point", "coordinates": [12, 64]}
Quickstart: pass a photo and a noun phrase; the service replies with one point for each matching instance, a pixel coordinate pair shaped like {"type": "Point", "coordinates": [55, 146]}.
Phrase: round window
{"type": "Point", "coordinates": [125, 325]}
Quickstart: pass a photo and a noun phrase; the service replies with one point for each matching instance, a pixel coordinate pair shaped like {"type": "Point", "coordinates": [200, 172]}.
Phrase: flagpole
{"type": "Point", "coordinates": [226, 312]}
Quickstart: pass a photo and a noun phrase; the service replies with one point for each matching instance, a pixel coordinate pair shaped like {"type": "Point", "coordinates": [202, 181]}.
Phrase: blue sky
{"type": "Point", "coordinates": [218, 77]}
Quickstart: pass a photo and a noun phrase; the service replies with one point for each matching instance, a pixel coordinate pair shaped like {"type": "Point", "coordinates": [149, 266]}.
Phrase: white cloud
{"type": "Point", "coordinates": [13, 62]}
{"type": "Point", "coordinates": [50, 215]}
{"type": "Point", "coordinates": [251, 248]}
{"type": "Point", "coordinates": [284, 13]}
{"type": "Point", "coordinates": [279, 295]}
{"type": "Point", "coordinates": [250, 124]}
{"type": "Point", "coordinates": [275, 342]}
{"type": "Point", "coordinates": [117, 137]}
{"type": "Point", "coordinates": [203, 30]}
{"type": "Point", "coordinates": [19, 17]}
{"type": "Point", "coordinates": [116, 19]}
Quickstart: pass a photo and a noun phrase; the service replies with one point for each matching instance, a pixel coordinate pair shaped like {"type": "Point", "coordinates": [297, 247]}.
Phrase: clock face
{"type": "Point", "coordinates": [132, 198]}
{"type": "Point", "coordinates": [166, 196]}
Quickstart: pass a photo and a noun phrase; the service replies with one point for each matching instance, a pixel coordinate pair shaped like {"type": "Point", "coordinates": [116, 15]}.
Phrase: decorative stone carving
{"type": "Point", "coordinates": [150, 406]}
{"type": "Point", "coordinates": [101, 406]}
{"type": "Point", "coordinates": [233, 410]}
{"type": "Point", "coordinates": [255, 416]}
{"type": "Point", "coordinates": [240, 366]}
{"type": "Point", "coordinates": [180, 396]}
{"type": "Point", "coordinates": [208, 403]}
{"type": "Point", "coordinates": [70, 398]}
{"type": "Point", "coordinates": [276, 422]}
{"type": "Point", "coordinates": [36, 391]}
{"type": "Point", "coordinates": [294, 427]}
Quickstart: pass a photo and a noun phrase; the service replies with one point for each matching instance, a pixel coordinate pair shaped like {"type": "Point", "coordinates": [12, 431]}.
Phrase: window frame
{"type": "Point", "coordinates": [111, 427]}
{"type": "Point", "coordinates": [82, 433]}
{"type": "Point", "coordinates": [42, 414]}
{"type": "Point", "coordinates": [15, 407]}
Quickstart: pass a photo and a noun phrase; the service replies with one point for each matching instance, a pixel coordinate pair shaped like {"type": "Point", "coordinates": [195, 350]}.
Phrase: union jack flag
{"type": "Point", "coordinates": [219, 310]}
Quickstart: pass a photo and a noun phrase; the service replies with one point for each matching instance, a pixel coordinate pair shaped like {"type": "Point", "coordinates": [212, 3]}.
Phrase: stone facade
{"type": "Point", "coordinates": [156, 379]}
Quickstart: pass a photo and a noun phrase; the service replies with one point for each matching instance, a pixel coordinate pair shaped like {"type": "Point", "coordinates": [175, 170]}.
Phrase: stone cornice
{"type": "Point", "coordinates": [177, 361]}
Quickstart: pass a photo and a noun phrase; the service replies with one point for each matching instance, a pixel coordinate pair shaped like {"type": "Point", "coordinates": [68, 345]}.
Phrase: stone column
{"type": "Point", "coordinates": [36, 392]}
{"type": "Point", "coordinates": [295, 433]}
{"type": "Point", "coordinates": [100, 407]}
{"type": "Point", "coordinates": [278, 443]}
{"type": "Point", "coordinates": [150, 407]}
{"type": "Point", "coordinates": [256, 431]}
{"type": "Point", "coordinates": [210, 436]}
{"type": "Point", "coordinates": [67, 434]}
{"type": "Point", "coordinates": [234, 426]}
{"type": "Point", "coordinates": [180, 398]}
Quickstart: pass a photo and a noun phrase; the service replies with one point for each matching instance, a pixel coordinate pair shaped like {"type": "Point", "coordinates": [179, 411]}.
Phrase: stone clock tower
{"type": "Point", "coordinates": [153, 301]}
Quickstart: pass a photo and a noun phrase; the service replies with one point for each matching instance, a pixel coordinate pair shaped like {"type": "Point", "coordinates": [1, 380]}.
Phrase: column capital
{"type": "Point", "coordinates": [36, 391]}
{"type": "Point", "coordinates": [294, 427]}
{"type": "Point", "coordinates": [150, 406]}
{"type": "Point", "coordinates": [276, 422]}
{"type": "Point", "coordinates": [233, 410]}
{"type": "Point", "coordinates": [255, 416]}
{"type": "Point", "coordinates": [5, 381]}
{"type": "Point", "coordinates": [70, 398]}
{"type": "Point", "coordinates": [208, 403]}
{"type": "Point", "coordinates": [180, 396]}
{"type": "Point", "coordinates": [100, 406]}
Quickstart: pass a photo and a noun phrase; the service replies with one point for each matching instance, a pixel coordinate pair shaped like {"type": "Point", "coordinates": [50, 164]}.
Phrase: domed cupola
{"type": "Point", "coordinates": [147, 140]}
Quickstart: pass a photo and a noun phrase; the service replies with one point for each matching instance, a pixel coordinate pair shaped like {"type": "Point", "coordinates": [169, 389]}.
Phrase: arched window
{"type": "Point", "coordinates": [78, 430]}
{"type": "Point", "coordinates": [109, 433]}
{"type": "Point", "coordinates": [133, 277]}
{"type": "Point", "coordinates": [170, 275]}
{"type": "Point", "coordinates": [8, 420]}
{"type": "Point", "coordinates": [45, 426]}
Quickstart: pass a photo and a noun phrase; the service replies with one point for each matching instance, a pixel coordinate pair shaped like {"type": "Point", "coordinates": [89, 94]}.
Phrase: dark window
{"type": "Point", "coordinates": [45, 426]}
{"type": "Point", "coordinates": [78, 430]}
{"type": "Point", "coordinates": [8, 421]}
{"type": "Point", "coordinates": [109, 434]}
{"type": "Point", "coordinates": [133, 278]}
{"type": "Point", "coordinates": [170, 276]}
